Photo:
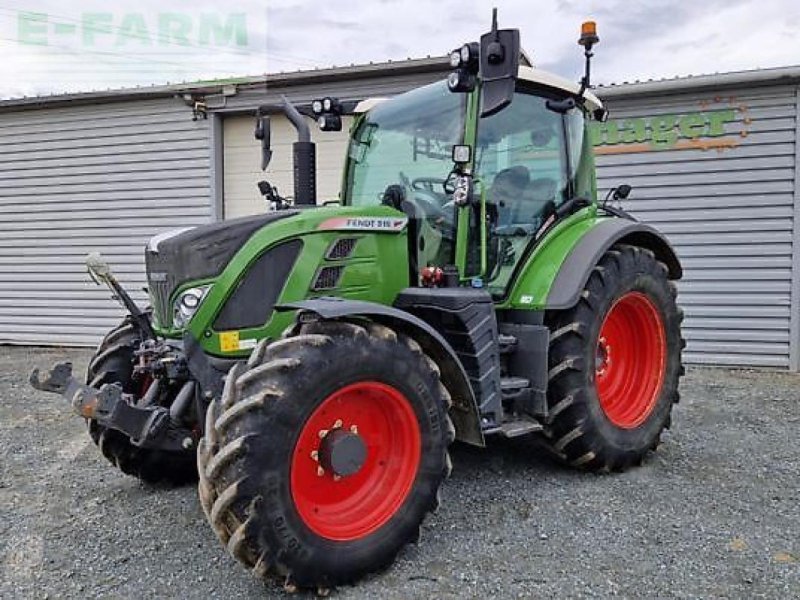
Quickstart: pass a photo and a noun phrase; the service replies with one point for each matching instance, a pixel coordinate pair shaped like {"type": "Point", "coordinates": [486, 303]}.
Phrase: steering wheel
{"type": "Point", "coordinates": [425, 184]}
{"type": "Point", "coordinates": [427, 202]}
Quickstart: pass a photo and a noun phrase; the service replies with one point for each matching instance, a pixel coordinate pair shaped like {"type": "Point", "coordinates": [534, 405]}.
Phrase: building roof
{"type": "Point", "coordinates": [771, 76]}
{"type": "Point", "coordinates": [215, 86]}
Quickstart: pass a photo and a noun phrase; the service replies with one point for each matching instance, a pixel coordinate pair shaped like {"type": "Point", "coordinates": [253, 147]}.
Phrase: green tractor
{"type": "Point", "coordinates": [313, 364]}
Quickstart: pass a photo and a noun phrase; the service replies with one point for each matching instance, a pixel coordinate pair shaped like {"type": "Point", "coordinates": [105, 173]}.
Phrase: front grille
{"type": "Point", "coordinates": [161, 282]}
{"type": "Point", "coordinates": [327, 278]}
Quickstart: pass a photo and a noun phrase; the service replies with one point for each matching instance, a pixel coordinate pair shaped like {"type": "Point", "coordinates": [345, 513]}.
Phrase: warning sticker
{"type": "Point", "coordinates": [229, 341]}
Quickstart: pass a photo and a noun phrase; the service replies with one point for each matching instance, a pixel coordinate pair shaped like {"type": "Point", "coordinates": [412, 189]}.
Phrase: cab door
{"type": "Point", "coordinates": [523, 161]}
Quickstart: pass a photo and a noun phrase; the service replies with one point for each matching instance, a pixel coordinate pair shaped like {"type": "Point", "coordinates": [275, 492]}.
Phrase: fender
{"type": "Point", "coordinates": [584, 256]}
{"type": "Point", "coordinates": [559, 265]}
{"type": "Point", "coordinates": [464, 411]}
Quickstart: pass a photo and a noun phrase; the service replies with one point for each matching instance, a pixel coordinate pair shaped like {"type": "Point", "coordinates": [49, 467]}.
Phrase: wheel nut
{"type": "Point", "coordinates": [336, 477]}
{"type": "Point", "coordinates": [337, 424]}
{"type": "Point", "coordinates": [320, 471]}
{"type": "Point", "coordinates": [315, 455]}
{"type": "Point", "coordinates": [353, 429]}
{"type": "Point", "coordinates": [322, 433]}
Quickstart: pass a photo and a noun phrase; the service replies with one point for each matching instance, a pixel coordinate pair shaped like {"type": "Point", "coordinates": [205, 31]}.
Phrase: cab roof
{"type": "Point", "coordinates": [526, 73]}
{"type": "Point", "coordinates": [554, 81]}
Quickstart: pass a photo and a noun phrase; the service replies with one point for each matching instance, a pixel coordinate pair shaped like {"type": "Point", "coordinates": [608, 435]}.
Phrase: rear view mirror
{"type": "Point", "coordinates": [499, 56]}
{"type": "Point", "coordinates": [262, 133]}
{"type": "Point", "coordinates": [622, 191]}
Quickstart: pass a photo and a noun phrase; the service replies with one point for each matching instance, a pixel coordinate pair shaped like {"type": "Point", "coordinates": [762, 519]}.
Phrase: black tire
{"type": "Point", "coordinates": [251, 439]}
{"type": "Point", "coordinates": [580, 429]}
{"type": "Point", "coordinates": [113, 363]}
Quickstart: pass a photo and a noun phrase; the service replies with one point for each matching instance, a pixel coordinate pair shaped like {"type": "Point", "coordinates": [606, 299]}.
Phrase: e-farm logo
{"type": "Point", "coordinates": [93, 29]}
{"type": "Point", "coordinates": [720, 124]}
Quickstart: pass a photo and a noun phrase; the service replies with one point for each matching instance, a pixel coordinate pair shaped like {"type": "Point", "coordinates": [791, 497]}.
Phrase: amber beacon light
{"type": "Point", "coordinates": [588, 34]}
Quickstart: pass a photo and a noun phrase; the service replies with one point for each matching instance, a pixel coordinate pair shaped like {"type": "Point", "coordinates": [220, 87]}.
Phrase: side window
{"type": "Point", "coordinates": [521, 161]}
{"type": "Point", "coordinates": [581, 156]}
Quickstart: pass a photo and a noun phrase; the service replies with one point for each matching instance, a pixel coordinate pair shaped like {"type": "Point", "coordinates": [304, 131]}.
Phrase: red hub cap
{"type": "Point", "coordinates": [355, 461]}
{"type": "Point", "coordinates": [631, 360]}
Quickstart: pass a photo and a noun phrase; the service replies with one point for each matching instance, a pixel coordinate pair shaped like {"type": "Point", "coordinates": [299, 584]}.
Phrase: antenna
{"type": "Point", "coordinates": [495, 53]}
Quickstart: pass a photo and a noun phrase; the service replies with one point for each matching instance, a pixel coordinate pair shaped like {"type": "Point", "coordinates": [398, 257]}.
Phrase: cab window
{"type": "Point", "coordinates": [521, 158]}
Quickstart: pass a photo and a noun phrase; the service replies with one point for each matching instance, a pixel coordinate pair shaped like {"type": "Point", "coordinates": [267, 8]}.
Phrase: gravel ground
{"type": "Point", "coordinates": [714, 513]}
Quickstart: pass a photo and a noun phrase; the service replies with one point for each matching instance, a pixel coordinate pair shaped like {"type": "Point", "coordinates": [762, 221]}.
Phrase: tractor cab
{"type": "Point", "coordinates": [523, 163]}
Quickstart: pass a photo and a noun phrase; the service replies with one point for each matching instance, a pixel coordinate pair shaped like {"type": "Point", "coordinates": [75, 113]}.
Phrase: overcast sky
{"type": "Point", "coordinates": [50, 46]}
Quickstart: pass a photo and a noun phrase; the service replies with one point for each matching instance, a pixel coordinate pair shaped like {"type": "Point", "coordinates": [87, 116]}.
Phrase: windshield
{"type": "Point", "coordinates": [407, 141]}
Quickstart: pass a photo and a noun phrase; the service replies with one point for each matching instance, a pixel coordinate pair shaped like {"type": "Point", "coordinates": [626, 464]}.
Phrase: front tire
{"type": "Point", "coordinates": [615, 363]}
{"type": "Point", "coordinates": [325, 452]}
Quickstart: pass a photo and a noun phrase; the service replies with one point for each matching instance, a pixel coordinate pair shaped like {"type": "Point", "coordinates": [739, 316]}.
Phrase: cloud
{"type": "Point", "coordinates": [639, 39]}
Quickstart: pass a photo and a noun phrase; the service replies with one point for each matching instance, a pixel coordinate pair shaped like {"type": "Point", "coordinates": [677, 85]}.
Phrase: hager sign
{"type": "Point", "coordinates": [706, 129]}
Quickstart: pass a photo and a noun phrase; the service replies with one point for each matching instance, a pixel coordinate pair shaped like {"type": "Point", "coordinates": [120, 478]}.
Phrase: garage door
{"type": "Point", "coordinates": [242, 162]}
{"type": "Point", "coordinates": [94, 178]}
{"type": "Point", "coordinates": [716, 174]}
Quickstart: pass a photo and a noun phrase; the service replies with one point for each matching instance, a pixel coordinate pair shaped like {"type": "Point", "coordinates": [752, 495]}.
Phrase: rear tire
{"type": "Point", "coordinates": [265, 484]}
{"type": "Point", "coordinates": [615, 363]}
{"type": "Point", "coordinates": [113, 363]}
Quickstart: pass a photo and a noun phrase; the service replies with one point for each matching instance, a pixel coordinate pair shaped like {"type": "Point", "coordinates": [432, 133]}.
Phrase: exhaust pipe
{"type": "Point", "coordinates": [305, 158]}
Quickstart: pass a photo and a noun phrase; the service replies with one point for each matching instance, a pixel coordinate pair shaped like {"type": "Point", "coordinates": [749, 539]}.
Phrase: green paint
{"type": "Point", "coordinates": [633, 131]}
{"type": "Point", "coordinates": [375, 272]}
{"type": "Point", "coordinates": [692, 126]}
{"type": "Point", "coordinates": [717, 120]}
{"type": "Point", "coordinates": [463, 238]}
{"type": "Point", "coordinates": [662, 132]}
{"type": "Point", "coordinates": [378, 269]}
{"type": "Point", "coordinates": [535, 278]}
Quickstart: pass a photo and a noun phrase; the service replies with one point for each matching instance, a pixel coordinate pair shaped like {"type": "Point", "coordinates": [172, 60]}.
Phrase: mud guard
{"type": "Point", "coordinates": [576, 269]}
{"type": "Point", "coordinates": [464, 411]}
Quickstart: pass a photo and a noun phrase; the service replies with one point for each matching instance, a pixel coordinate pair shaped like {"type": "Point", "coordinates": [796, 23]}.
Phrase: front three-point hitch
{"type": "Point", "coordinates": [147, 425]}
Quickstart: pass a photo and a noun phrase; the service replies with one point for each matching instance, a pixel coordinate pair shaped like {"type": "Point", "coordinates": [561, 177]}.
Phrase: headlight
{"type": "Point", "coordinates": [453, 80]}
{"type": "Point", "coordinates": [455, 59]}
{"type": "Point", "coordinates": [186, 304]}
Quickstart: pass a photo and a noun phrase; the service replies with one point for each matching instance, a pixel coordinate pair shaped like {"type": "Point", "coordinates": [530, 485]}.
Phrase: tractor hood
{"type": "Point", "coordinates": [175, 257]}
{"type": "Point", "coordinates": [220, 283]}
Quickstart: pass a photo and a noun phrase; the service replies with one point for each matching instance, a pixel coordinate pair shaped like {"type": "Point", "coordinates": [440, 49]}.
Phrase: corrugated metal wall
{"type": "Point", "coordinates": [103, 177]}
{"type": "Point", "coordinates": [728, 212]}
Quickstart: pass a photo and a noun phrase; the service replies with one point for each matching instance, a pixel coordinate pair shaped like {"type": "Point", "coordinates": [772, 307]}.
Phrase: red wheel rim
{"type": "Point", "coordinates": [630, 360]}
{"type": "Point", "coordinates": [353, 506]}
